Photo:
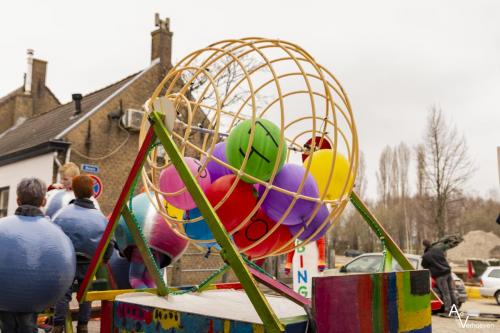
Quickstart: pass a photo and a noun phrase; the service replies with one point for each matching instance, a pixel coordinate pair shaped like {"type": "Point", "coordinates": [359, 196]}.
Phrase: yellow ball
{"type": "Point", "coordinates": [322, 161]}
{"type": "Point", "coordinates": [174, 212]}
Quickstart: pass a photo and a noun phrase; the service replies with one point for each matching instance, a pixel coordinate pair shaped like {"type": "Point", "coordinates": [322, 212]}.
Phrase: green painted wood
{"type": "Point", "coordinates": [206, 284]}
{"type": "Point", "coordinates": [228, 252]}
{"type": "Point", "coordinates": [391, 246]}
{"type": "Point", "coordinates": [388, 261]}
{"type": "Point", "coordinates": [146, 254]}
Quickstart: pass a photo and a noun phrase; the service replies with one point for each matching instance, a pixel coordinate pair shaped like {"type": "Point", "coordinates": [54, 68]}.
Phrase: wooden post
{"type": "Point", "coordinates": [106, 316]}
{"type": "Point", "coordinates": [113, 220]}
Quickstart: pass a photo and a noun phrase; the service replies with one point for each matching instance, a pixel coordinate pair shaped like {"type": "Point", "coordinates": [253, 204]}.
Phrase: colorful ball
{"type": "Point", "coordinates": [143, 210]}
{"type": "Point", "coordinates": [276, 203]}
{"type": "Point", "coordinates": [238, 205]}
{"type": "Point", "coordinates": [198, 230]}
{"type": "Point", "coordinates": [319, 143]}
{"type": "Point", "coordinates": [215, 169]}
{"type": "Point", "coordinates": [164, 239]}
{"type": "Point", "coordinates": [320, 168]}
{"type": "Point", "coordinates": [37, 263]}
{"type": "Point", "coordinates": [263, 150]}
{"type": "Point", "coordinates": [316, 222]}
{"type": "Point", "coordinates": [284, 236]}
{"type": "Point", "coordinates": [171, 182]}
{"type": "Point", "coordinates": [260, 224]}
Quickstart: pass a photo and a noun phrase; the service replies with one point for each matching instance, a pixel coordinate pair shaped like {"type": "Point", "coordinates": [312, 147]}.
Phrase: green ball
{"type": "Point", "coordinates": [263, 152]}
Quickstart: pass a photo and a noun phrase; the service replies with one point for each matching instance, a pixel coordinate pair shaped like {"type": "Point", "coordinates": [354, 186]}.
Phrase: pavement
{"type": "Point", "coordinates": [473, 324]}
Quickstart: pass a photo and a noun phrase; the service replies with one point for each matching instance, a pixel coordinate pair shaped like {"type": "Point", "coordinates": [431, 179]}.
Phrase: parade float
{"type": "Point", "coordinates": [249, 147]}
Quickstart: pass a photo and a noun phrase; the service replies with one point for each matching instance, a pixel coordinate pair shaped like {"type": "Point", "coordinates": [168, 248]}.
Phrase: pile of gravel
{"type": "Point", "coordinates": [476, 245]}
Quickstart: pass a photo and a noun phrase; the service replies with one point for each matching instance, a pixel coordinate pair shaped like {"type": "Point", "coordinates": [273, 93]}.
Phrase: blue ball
{"type": "Point", "coordinates": [198, 230]}
{"type": "Point", "coordinates": [37, 263]}
{"type": "Point", "coordinates": [142, 210]}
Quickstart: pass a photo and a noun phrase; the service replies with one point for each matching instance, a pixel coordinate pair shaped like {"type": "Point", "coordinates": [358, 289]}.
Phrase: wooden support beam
{"type": "Point", "coordinates": [280, 288]}
{"type": "Point", "coordinates": [113, 220]}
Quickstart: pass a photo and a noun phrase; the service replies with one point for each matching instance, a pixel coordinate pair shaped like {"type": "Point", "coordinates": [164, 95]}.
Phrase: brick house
{"type": "Point", "coordinates": [41, 134]}
{"type": "Point", "coordinates": [38, 134]}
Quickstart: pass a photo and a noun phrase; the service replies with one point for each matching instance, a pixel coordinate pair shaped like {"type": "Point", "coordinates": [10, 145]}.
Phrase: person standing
{"type": "Point", "coordinates": [36, 261]}
{"type": "Point", "coordinates": [434, 259]}
{"type": "Point", "coordinates": [59, 195]}
{"type": "Point", "coordinates": [84, 224]}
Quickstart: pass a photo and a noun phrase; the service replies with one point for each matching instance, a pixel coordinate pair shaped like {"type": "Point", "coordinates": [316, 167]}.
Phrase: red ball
{"type": "Point", "coordinates": [260, 224]}
{"type": "Point", "coordinates": [237, 206]}
{"type": "Point", "coordinates": [284, 236]}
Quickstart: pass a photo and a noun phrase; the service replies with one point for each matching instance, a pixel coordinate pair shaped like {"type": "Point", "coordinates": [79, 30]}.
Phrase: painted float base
{"type": "Point", "coordinates": [395, 302]}
{"type": "Point", "coordinates": [213, 311]}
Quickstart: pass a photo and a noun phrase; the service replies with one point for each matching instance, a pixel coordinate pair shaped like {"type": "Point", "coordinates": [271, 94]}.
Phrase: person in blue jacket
{"type": "Point", "coordinates": [84, 225]}
{"type": "Point", "coordinates": [37, 261]}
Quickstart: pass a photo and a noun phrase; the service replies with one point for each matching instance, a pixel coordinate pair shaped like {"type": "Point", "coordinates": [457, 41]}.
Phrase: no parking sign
{"type": "Point", "coordinates": [97, 186]}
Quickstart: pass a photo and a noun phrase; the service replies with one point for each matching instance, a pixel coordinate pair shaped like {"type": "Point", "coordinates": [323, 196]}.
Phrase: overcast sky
{"type": "Point", "coordinates": [395, 59]}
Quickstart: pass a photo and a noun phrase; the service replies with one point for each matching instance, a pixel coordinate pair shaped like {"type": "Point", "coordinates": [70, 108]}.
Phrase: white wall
{"type": "Point", "coordinates": [10, 174]}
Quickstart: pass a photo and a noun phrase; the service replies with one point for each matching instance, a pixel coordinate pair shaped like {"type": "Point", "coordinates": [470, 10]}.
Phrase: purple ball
{"type": "Point", "coordinates": [316, 223]}
{"type": "Point", "coordinates": [276, 203]}
{"type": "Point", "coordinates": [214, 168]}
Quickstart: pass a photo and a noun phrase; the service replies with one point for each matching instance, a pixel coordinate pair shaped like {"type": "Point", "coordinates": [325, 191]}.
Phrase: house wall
{"type": "Point", "coordinates": [11, 174]}
{"type": "Point", "coordinates": [98, 137]}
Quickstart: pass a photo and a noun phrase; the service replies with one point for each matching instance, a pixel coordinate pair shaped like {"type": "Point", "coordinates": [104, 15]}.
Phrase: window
{"type": "Point", "coordinates": [365, 264]}
{"type": "Point", "coordinates": [4, 201]}
{"type": "Point", "coordinates": [495, 273]}
{"type": "Point", "coordinates": [397, 268]}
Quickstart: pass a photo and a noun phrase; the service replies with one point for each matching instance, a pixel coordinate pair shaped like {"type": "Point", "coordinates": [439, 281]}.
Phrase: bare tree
{"type": "Point", "coordinates": [361, 181]}
{"type": "Point", "coordinates": [421, 179]}
{"type": "Point", "coordinates": [403, 155]}
{"type": "Point", "coordinates": [383, 174]}
{"type": "Point", "coordinates": [447, 166]}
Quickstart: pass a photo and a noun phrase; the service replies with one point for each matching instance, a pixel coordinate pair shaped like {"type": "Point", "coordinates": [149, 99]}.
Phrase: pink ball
{"type": "Point", "coordinates": [171, 182]}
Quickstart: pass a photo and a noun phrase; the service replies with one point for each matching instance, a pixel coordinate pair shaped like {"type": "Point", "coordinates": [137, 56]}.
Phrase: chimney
{"type": "Point", "coordinates": [38, 76]}
{"type": "Point", "coordinates": [161, 42]}
{"type": "Point", "coordinates": [29, 72]}
{"type": "Point", "coordinates": [77, 98]}
{"type": "Point", "coordinates": [34, 79]}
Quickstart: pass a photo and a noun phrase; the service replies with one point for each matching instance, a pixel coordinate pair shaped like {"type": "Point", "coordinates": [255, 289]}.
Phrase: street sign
{"type": "Point", "coordinates": [90, 168]}
{"type": "Point", "coordinates": [97, 186]}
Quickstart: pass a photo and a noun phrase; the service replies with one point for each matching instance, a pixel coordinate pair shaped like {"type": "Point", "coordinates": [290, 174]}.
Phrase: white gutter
{"type": "Point", "coordinates": [104, 102]}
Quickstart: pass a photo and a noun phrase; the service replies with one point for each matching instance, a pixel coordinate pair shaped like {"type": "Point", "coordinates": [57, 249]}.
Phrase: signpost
{"type": "Point", "coordinates": [97, 186]}
{"type": "Point", "coordinates": [90, 168]}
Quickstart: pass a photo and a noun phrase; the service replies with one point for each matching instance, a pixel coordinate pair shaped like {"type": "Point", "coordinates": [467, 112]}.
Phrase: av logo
{"type": "Point", "coordinates": [454, 311]}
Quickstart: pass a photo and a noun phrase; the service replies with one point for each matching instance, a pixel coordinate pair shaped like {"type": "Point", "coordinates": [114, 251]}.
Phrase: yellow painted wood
{"type": "Point", "coordinates": [110, 295]}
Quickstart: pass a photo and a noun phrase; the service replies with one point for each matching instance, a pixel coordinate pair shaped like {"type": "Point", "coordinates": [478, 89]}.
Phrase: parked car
{"type": "Point", "coordinates": [372, 263]}
{"type": "Point", "coordinates": [490, 283]}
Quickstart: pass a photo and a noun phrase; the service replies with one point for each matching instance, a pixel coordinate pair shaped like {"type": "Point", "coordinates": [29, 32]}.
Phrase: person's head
{"type": "Point", "coordinates": [67, 172]}
{"type": "Point", "coordinates": [31, 191]}
{"type": "Point", "coordinates": [83, 186]}
{"type": "Point", "coordinates": [426, 243]}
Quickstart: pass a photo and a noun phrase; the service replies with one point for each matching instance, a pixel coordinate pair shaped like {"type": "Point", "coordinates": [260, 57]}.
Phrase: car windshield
{"type": "Point", "coordinates": [373, 264]}
{"type": "Point", "coordinates": [397, 268]}
{"type": "Point", "coordinates": [368, 264]}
